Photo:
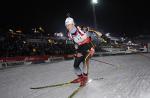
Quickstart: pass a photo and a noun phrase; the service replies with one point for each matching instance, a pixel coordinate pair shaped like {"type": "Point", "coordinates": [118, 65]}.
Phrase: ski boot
{"type": "Point", "coordinates": [78, 80]}
{"type": "Point", "coordinates": [84, 80]}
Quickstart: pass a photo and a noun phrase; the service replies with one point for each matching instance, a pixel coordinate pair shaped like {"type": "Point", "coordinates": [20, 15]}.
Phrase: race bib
{"type": "Point", "coordinates": [78, 38]}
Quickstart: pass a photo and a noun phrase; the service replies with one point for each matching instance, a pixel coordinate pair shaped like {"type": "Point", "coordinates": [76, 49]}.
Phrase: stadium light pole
{"type": "Point", "coordinates": [94, 2]}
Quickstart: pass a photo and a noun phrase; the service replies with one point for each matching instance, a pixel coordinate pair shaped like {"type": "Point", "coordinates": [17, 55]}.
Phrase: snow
{"type": "Point", "coordinates": [130, 78]}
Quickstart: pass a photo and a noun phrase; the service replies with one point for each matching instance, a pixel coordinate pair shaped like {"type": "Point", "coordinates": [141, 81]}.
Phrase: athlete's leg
{"type": "Point", "coordinates": [77, 62]}
{"type": "Point", "coordinates": [86, 66]}
{"type": "Point", "coordinates": [78, 71]}
{"type": "Point", "coordinates": [89, 54]}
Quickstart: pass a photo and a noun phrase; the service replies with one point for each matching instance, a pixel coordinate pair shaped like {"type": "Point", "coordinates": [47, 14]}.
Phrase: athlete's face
{"type": "Point", "coordinates": [69, 27]}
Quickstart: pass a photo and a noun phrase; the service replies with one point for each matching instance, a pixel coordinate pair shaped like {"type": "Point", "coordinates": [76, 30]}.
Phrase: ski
{"type": "Point", "coordinates": [55, 85]}
{"type": "Point", "coordinates": [80, 87]}
{"type": "Point", "coordinates": [75, 91]}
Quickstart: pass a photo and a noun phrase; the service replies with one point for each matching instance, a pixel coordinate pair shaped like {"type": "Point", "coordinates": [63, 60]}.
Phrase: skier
{"type": "Point", "coordinates": [84, 50]}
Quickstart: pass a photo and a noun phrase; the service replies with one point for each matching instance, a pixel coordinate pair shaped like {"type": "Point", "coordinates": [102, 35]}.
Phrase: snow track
{"type": "Point", "coordinates": [130, 78]}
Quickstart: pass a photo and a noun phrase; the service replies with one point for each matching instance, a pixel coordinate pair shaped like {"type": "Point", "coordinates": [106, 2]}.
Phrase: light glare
{"type": "Point", "coordinates": [94, 1]}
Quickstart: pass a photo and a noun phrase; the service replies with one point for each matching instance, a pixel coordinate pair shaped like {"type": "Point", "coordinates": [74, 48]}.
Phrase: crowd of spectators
{"type": "Point", "coordinates": [12, 44]}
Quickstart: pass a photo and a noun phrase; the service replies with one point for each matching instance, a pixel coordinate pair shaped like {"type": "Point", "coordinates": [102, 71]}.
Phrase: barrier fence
{"type": "Point", "coordinates": [19, 60]}
{"type": "Point", "coordinates": [6, 61]}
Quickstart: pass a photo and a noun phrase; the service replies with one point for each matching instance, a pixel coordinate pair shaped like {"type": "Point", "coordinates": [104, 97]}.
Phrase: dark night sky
{"type": "Point", "coordinates": [112, 15]}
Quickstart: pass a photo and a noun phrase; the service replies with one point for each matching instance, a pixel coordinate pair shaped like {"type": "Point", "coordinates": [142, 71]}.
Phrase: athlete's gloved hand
{"type": "Point", "coordinates": [78, 55]}
{"type": "Point", "coordinates": [92, 51]}
{"type": "Point", "coordinates": [76, 46]}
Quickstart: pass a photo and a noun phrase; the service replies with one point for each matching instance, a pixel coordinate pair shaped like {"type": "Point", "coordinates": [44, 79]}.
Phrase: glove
{"type": "Point", "coordinates": [91, 51]}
